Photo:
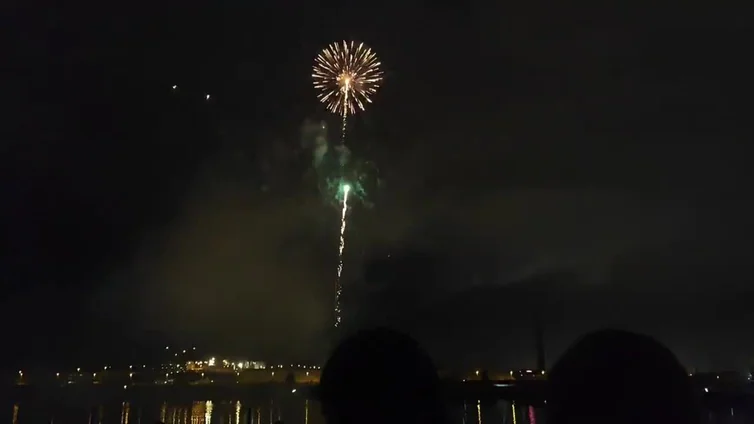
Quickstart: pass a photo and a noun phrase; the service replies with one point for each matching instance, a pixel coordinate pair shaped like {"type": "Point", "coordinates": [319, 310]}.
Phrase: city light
{"type": "Point", "coordinates": [244, 371]}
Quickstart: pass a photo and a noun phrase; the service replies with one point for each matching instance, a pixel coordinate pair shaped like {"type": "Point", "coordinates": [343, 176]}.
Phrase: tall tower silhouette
{"type": "Point", "coordinates": [539, 339]}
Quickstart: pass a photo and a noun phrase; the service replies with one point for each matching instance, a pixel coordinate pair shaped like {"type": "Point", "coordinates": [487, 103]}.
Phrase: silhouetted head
{"type": "Point", "coordinates": [619, 377]}
{"type": "Point", "coordinates": [379, 376]}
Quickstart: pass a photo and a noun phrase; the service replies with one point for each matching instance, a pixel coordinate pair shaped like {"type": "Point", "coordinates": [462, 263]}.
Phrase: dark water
{"type": "Point", "coordinates": [291, 410]}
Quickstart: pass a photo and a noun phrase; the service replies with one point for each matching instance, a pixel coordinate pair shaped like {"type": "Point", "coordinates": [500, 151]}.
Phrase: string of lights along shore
{"type": "Point", "coordinates": [347, 75]}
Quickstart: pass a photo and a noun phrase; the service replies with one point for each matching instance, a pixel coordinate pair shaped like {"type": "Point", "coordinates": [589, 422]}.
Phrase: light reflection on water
{"type": "Point", "coordinates": [290, 411]}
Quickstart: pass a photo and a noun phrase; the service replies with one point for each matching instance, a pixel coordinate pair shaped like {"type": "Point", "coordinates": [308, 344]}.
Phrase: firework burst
{"type": "Point", "coordinates": [347, 75]}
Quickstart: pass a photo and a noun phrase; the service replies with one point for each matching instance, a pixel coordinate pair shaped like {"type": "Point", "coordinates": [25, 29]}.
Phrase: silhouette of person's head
{"type": "Point", "coordinates": [612, 376]}
{"type": "Point", "coordinates": [378, 376]}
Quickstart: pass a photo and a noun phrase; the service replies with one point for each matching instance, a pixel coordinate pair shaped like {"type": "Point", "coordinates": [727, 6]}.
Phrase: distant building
{"type": "Point", "coordinates": [528, 374]}
{"type": "Point", "coordinates": [224, 365]}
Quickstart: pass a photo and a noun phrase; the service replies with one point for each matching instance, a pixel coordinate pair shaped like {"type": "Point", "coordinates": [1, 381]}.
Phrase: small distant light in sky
{"type": "Point", "coordinates": [207, 97]}
{"type": "Point", "coordinates": [175, 87]}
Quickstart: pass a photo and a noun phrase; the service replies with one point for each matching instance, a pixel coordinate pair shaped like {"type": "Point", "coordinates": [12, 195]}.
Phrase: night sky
{"type": "Point", "coordinates": [586, 164]}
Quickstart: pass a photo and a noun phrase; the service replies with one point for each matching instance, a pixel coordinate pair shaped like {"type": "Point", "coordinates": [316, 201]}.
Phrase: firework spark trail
{"type": "Point", "coordinates": [343, 222]}
{"type": "Point", "coordinates": [346, 87]}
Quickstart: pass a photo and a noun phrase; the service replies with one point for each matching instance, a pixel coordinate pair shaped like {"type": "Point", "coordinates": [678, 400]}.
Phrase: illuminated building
{"type": "Point", "coordinates": [228, 365]}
